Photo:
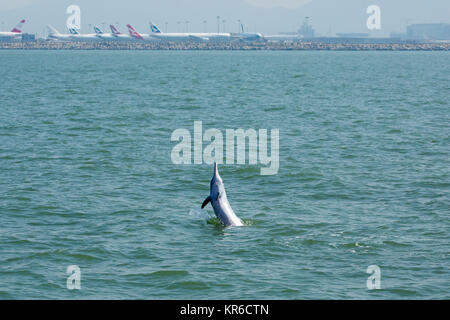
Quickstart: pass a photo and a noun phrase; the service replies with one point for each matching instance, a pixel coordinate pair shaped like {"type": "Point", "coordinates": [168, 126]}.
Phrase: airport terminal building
{"type": "Point", "coordinates": [431, 31]}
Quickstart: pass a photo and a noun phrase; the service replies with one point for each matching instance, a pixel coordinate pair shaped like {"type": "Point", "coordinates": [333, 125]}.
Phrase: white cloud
{"type": "Point", "coordinates": [290, 4]}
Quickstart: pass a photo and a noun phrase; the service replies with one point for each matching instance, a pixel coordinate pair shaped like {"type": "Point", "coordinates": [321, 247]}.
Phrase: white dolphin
{"type": "Point", "coordinates": [218, 198]}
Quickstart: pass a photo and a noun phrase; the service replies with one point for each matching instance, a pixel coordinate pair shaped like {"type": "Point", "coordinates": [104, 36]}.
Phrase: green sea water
{"type": "Point", "coordinates": [86, 176]}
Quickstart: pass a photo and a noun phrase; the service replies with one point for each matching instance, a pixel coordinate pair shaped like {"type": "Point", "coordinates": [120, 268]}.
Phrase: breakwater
{"type": "Point", "coordinates": [50, 45]}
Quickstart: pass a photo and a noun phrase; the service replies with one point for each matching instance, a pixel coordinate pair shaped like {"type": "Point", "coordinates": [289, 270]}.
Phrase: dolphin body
{"type": "Point", "coordinates": [218, 198]}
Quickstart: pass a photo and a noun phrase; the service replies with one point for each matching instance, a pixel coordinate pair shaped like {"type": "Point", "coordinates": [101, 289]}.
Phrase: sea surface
{"type": "Point", "coordinates": [86, 176]}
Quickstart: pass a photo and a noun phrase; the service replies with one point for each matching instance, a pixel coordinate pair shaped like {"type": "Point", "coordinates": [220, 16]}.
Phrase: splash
{"type": "Point", "coordinates": [200, 214]}
{"type": "Point", "coordinates": [209, 218]}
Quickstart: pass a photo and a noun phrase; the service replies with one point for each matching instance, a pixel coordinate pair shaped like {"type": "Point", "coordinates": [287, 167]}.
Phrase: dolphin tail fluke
{"type": "Point", "coordinates": [207, 200]}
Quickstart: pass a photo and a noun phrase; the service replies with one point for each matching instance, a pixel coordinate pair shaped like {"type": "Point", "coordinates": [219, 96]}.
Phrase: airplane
{"type": "Point", "coordinates": [73, 35]}
{"type": "Point", "coordinates": [14, 33]}
{"type": "Point", "coordinates": [249, 36]}
{"type": "Point", "coordinates": [104, 36]}
{"type": "Point", "coordinates": [156, 33]}
{"type": "Point", "coordinates": [115, 34]}
{"type": "Point", "coordinates": [120, 36]}
{"type": "Point", "coordinates": [282, 37]}
{"type": "Point", "coordinates": [53, 34]}
{"type": "Point", "coordinates": [101, 35]}
{"type": "Point", "coordinates": [76, 36]}
{"type": "Point", "coordinates": [138, 36]}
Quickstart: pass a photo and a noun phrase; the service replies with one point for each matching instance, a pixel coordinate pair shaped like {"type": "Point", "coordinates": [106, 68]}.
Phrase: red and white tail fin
{"type": "Point", "coordinates": [114, 30]}
{"type": "Point", "coordinates": [134, 33]}
{"type": "Point", "coordinates": [18, 28]}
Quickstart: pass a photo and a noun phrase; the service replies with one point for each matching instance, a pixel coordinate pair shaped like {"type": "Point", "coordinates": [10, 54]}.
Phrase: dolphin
{"type": "Point", "coordinates": [218, 198]}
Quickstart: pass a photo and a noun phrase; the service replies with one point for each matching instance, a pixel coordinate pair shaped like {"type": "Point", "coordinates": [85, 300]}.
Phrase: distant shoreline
{"type": "Point", "coordinates": [258, 46]}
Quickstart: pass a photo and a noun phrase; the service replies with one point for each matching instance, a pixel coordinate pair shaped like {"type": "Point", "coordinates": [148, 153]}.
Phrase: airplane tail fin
{"type": "Point", "coordinates": [114, 30]}
{"type": "Point", "coordinates": [242, 28]}
{"type": "Point", "coordinates": [73, 31]}
{"type": "Point", "coordinates": [18, 28]}
{"type": "Point", "coordinates": [133, 32]}
{"type": "Point", "coordinates": [154, 28]}
{"type": "Point", "coordinates": [52, 31]}
{"type": "Point", "coordinates": [98, 30]}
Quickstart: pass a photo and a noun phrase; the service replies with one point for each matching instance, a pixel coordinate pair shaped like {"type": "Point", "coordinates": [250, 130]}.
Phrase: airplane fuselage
{"type": "Point", "coordinates": [10, 34]}
{"type": "Point", "coordinates": [181, 37]}
{"type": "Point", "coordinates": [75, 37]}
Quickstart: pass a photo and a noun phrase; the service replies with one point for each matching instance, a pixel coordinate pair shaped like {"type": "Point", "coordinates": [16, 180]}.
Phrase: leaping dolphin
{"type": "Point", "coordinates": [218, 198]}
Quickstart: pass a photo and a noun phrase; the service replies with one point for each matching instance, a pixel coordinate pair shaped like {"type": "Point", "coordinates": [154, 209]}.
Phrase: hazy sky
{"type": "Point", "coordinates": [267, 16]}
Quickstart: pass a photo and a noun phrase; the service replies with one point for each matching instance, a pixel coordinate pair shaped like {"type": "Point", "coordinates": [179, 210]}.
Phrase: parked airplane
{"type": "Point", "coordinates": [104, 36]}
{"type": "Point", "coordinates": [120, 36]}
{"type": "Point", "coordinates": [115, 34]}
{"type": "Point", "coordinates": [249, 36]}
{"type": "Point", "coordinates": [14, 33]}
{"type": "Point", "coordinates": [83, 37]}
{"type": "Point", "coordinates": [53, 34]}
{"type": "Point", "coordinates": [156, 33]}
{"type": "Point", "coordinates": [170, 36]}
{"type": "Point", "coordinates": [100, 33]}
{"type": "Point", "coordinates": [73, 35]}
{"type": "Point", "coordinates": [138, 36]}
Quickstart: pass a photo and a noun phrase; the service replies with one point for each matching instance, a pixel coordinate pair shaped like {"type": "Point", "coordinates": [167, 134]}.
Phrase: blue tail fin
{"type": "Point", "coordinates": [154, 28]}
{"type": "Point", "coordinates": [98, 30]}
